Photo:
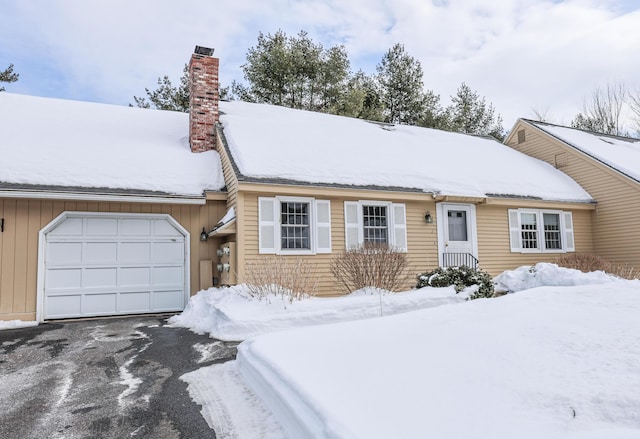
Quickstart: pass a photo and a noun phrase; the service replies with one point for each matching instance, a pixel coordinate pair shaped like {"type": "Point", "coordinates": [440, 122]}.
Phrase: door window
{"type": "Point", "coordinates": [457, 220]}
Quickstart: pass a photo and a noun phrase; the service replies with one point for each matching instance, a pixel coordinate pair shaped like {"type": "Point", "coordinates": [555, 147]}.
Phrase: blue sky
{"type": "Point", "coordinates": [521, 54]}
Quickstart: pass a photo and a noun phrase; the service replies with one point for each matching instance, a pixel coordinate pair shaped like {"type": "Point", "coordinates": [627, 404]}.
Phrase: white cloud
{"type": "Point", "coordinates": [520, 54]}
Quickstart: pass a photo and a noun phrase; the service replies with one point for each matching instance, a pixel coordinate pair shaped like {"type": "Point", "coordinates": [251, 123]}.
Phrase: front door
{"type": "Point", "coordinates": [457, 240]}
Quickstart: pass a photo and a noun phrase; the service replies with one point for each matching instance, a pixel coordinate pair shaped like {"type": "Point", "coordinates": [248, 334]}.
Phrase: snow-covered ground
{"type": "Point", "coordinates": [13, 324]}
{"type": "Point", "coordinates": [231, 314]}
{"type": "Point", "coordinates": [546, 362]}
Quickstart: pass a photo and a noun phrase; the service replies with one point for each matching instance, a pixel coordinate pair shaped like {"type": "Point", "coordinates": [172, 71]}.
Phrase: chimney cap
{"type": "Point", "coordinates": [201, 50]}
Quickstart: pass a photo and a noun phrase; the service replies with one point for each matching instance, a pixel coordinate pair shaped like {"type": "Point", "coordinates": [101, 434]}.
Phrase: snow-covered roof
{"type": "Point", "coordinates": [274, 143]}
{"type": "Point", "coordinates": [620, 153]}
{"type": "Point", "coordinates": [48, 142]}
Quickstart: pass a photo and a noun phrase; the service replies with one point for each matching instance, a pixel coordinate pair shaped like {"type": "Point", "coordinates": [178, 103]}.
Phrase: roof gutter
{"type": "Point", "coordinates": [85, 196]}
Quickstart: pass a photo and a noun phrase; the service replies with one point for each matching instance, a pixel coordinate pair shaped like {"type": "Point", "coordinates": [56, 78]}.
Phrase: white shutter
{"type": "Point", "coordinates": [514, 230]}
{"type": "Point", "coordinates": [267, 225]}
{"type": "Point", "coordinates": [323, 226]}
{"type": "Point", "coordinates": [569, 244]}
{"type": "Point", "coordinates": [352, 229]}
{"type": "Point", "coordinates": [399, 227]}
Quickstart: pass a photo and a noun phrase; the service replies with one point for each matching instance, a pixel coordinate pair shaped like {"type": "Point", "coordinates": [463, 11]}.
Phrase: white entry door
{"type": "Point", "coordinates": [95, 264]}
{"type": "Point", "coordinates": [456, 234]}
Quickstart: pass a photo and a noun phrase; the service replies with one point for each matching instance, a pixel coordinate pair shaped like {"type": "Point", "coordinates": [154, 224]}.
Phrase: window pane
{"type": "Point", "coordinates": [294, 226]}
{"type": "Point", "coordinates": [374, 220]}
{"type": "Point", "coordinates": [552, 231]}
{"type": "Point", "coordinates": [529, 230]}
{"type": "Point", "coordinates": [457, 220]}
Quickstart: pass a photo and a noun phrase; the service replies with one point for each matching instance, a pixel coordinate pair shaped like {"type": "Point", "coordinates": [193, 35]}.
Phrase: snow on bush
{"type": "Point", "coordinates": [461, 278]}
{"type": "Point", "coordinates": [547, 274]}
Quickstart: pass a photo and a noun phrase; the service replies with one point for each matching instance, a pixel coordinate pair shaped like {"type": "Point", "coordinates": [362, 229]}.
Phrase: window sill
{"type": "Point", "coordinates": [295, 253]}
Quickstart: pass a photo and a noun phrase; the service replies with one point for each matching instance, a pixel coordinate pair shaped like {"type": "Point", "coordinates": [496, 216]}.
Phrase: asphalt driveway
{"type": "Point", "coordinates": [108, 378]}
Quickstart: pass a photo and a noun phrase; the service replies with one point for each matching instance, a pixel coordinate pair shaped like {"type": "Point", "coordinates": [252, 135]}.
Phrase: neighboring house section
{"type": "Point", "coordinates": [311, 185]}
{"type": "Point", "coordinates": [101, 210]}
{"type": "Point", "coordinates": [606, 166]}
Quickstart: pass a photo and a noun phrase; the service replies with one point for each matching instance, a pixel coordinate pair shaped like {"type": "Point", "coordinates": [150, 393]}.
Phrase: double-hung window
{"type": "Point", "coordinates": [294, 225]}
{"type": "Point", "coordinates": [375, 222]}
{"type": "Point", "coordinates": [534, 230]}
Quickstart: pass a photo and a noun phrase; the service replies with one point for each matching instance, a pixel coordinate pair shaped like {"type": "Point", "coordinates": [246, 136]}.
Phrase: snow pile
{"type": "Point", "coordinates": [343, 150]}
{"type": "Point", "coordinates": [231, 314]}
{"type": "Point", "coordinates": [553, 362]}
{"type": "Point", "coordinates": [54, 142]}
{"type": "Point", "coordinates": [13, 324]}
{"type": "Point", "coordinates": [547, 274]}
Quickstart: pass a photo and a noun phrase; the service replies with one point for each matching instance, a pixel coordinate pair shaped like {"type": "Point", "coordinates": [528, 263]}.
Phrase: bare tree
{"type": "Point", "coordinates": [541, 114]}
{"type": "Point", "coordinates": [634, 106]}
{"type": "Point", "coordinates": [602, 112]}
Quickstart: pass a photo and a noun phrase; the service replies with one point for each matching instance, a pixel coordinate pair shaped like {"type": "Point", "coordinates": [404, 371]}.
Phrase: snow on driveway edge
{"type": "Point", "coordinates": [294, 411]}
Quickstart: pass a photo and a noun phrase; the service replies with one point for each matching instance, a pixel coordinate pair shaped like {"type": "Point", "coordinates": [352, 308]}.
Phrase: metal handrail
{"type": "Point", "coordinates": [459, 259]}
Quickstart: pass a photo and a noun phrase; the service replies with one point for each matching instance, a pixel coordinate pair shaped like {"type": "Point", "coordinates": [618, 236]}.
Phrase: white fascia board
{"type": "Point", "coordinates": [43, 195]}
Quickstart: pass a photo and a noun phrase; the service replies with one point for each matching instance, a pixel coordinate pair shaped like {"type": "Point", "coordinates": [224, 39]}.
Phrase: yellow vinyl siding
{"type": "Point", "coordinates": [230, 177]}
{"type": "Point", "coordinates": [494, 250]}
{"type": "Point", "coordinates": [615, 229]}
{"type": "Point", "coordinates": [421, 237]}
{"type": "Point", "coordinates": [24, 218]}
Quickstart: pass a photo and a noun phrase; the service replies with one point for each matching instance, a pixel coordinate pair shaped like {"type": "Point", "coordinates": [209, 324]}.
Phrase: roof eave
{"type": "Point", "coordinates": [20, 191]}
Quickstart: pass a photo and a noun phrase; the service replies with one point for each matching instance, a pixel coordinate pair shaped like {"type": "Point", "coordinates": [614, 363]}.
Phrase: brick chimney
{"type": "Point", "coordinates": [203, 101]}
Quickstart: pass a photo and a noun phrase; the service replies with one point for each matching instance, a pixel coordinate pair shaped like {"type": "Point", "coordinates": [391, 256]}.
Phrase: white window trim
{"type": "Point", "coordinates": [565, 231]}
{"type": "Point", "coordinates": [392, 226]}
{"type": "Point", "coordinates": [277, 226]}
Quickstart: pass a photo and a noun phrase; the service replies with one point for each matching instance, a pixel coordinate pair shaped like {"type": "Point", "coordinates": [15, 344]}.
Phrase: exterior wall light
{"type": "Point", "coordinates": [203, 235]}
{"type": "Point", "coordinates": [428, 218]}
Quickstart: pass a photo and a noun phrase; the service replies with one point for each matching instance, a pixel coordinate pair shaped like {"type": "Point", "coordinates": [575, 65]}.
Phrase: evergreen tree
{"type": "Point", "coordinates": [399, 76]}
{"type": "Point", "coordinates": [295, 72]}
{"type": "Point", "coordinates": [470, 114]}
{"type": "Point", "coordinates": [8, 75]}
{"type": "Point", "coordinates": [333, 79]}
{"type": "Point", "coordinates": [361, 98]}
{"type": "Point", "coordinates": [433, 116]}
{"type": "Point", "coordinates": [166, 96]}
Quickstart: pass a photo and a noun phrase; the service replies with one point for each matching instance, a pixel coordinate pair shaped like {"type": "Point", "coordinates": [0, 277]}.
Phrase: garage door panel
{"type": "Point", "coordinates": [135, 302]}
{"type": "Point", "coordinates": [100, 277]}
{"type": "Point", "coordinates": [135, 252]}
{"type": "Point", "coordinates": [70, 227]}
{"type": "Point", "coordinates": [65, 252]}
{"type": "Point", "coordinates": [167, 276]}
{"type": "Point", "coordinates": [63, 306]}
{"type": "Point", "coordinates": [113, 264]}
{"type": "Point", "coordinates": [101, 227]}
{"type": "Point", "coordinates": [101, 253]}
{"type": "Point", "coordinates": [168, 300]}
{"type": "Point", "coordinates": [63, 278]}
{"type": "Point", "coordinates": [135, 227]}
{"type": "Point", "coordinates": [135, 276]}
{"type": "Point", "coordinates": [164, 252]}
{"type": "Point", "coordinates": [99, 304]}
{"type": "Point", "coordinates": [163, 228]}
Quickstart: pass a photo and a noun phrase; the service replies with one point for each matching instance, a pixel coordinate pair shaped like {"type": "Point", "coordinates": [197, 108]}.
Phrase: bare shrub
{"type": "Point", "coordinates": [286, 277]}
{"type": "Point", "coordinates": [587, 262]}
{"type": "Point", "coordinates": [371, 265]}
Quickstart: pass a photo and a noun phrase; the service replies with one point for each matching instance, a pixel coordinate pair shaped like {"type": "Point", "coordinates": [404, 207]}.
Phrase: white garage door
{"type": "Point", "coordinates": [112, 264]}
